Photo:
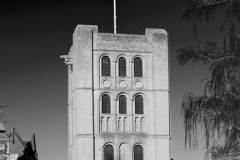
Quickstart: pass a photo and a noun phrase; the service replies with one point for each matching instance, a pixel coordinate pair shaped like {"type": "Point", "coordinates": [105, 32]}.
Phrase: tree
{"type": "Point", "coordinates": [218, 109]}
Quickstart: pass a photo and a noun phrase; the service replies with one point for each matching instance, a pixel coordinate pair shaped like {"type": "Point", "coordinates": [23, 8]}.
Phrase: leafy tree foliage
{"type": "Point", "coordinates": [217, 111]}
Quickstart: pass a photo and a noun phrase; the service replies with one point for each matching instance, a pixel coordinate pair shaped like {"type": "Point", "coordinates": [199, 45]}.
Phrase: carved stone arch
{"type": "Point", "coordinates": [105, 54]}
{"type": "Point", "coordinates": [140, 56]}
{"type": "Point", "coordinates": [109, 151]}
{"type": "Point", "coordinates": [137, 142]}
{"type": "Point", "coordinates": [145, 102]}
{"type": "Point", "coordinates": [122, 93]}
{"type": "Point", "coordinates": [118, 106]}
{"type": "Point", "coordinates": [105, 103]}
{"type": "Point", "coordinates": [121, 55]}
{"type": "Point", "coordinates": [124, 151]}
{"type": "Point", "coordinates": [138, 66]}
{"type": "Point", "coordinates": [107, 67]}
{"type": "Point", "coordinates": [145, 97]}
{"type": "Point", "coordinates": [138, 151]}
{"type": "Point", "coordinates": [106, 92]}
{"type": "Point", "coordinates": [122, 66]}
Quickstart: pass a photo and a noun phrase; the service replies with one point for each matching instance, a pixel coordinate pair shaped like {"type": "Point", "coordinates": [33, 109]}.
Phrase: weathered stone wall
{"type": "Point", "coordinates": [86, 86]}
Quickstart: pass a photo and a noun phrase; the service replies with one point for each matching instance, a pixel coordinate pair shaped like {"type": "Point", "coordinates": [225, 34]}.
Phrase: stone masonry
{"type": "Point", "coordinates": [90, 130]}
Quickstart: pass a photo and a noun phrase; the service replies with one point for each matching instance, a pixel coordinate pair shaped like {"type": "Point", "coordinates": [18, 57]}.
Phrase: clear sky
{"type": "Point", "coordinates": [33, 79]}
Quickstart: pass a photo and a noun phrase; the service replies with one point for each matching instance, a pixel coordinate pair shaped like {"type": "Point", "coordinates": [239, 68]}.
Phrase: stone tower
{"type": "Point", "coordinates": [118, 95]}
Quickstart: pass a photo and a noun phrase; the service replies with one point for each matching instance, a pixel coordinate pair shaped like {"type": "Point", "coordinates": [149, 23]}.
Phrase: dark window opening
{"type": "Point", "coordinates": [138, 67]}
{"type": "Point", "coordinates": [122, 67]}
{"type": "Point", "coordinates": [106, 66]}
{"type": "Point", "coordinates": [138, 104]}
{"type": "Point", "coordinates": [106, 105]}
{"type": "Point", "coordinates": [108, 152]}
{"type": "Point", "coordinates": [138, 152]}
{"type": "Point", "coordinates": [122, 105]}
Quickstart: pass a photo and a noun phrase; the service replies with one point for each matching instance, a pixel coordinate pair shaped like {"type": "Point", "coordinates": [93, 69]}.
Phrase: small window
{"type": "Point", "coordinates": [106, 104]}
{"type": "Point", "coordinates": [122, 67]}
{"type": "Point", "coordinates": [138, 152]}
{"type": "Point", "coordinates": [138, 104]}
{"type": "Point", "coordinates": [122, 105]}
{"type": "Point", "coordinates": [106, 66]}
{"type": "Point", "coordinates": [108, 152]}
{"type": "Point", "coordinates": [138, 67]}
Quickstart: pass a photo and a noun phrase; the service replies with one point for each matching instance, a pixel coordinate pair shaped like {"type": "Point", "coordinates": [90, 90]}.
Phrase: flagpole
{"type": "Point", "coordinates": [115, 17]}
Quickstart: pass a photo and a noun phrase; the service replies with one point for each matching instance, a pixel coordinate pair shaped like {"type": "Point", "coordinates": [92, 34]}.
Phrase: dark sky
{"type": "Point", "coordinates": [33, 34]}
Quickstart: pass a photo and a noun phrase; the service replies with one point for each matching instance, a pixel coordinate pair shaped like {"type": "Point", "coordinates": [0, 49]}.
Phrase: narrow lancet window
{"type": "Point", "coordinates": [122, 67]}
{"type": "Point", "coordinates": [106, 66]}
{"type": "Point", "coordinates": [138, 104]}
{"type": "Point", "coordinates": [138, 152]}
{"type": "Point", "coordinates": [108, 152]}
{"type": "Point", "coordinates": [138, 67]}
{"type": "Point", "coordinates": [122, 105]}
{"type": "Point", "coordinates": [106, 104]}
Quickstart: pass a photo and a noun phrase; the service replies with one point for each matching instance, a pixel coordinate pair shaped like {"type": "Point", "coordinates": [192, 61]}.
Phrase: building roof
{"type": "Point", "coordinates": [2, 128]}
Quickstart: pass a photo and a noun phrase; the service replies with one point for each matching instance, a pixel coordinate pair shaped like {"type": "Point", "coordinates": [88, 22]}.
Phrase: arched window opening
{"type": "Point", "coordinates": [106, 104]}
{"type": "Point", "coordinates": [138, 67]}
{"type": "Point", "coordinates": [108, 152]}
{"type": "Point", "coordinates": [122, 67]}
{"type": "Point", "coordinates": [138, 152]}
{"type": "Point", "coordinates": [138, 104]}
{"type": "Point", "coordinates": [124, 152]}
{"type": "Point", "coordinates": [106, 66]}
{"type": "Point", "coordinates": [122, 105]}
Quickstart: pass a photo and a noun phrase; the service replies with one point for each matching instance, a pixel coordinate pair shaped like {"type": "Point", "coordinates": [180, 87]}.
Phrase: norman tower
{"type": "Point", "coordinates": [118, 95]}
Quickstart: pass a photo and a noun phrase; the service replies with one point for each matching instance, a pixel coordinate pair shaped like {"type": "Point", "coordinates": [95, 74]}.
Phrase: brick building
{"type": "Point", "coordinates": [118, 95]}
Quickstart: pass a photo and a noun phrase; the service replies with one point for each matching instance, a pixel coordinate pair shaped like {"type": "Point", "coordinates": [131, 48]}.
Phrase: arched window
{"type": "Point", "coordinates": [138, 152]}
{"type": "Point", "coordinates": [106, 105]}
{"type": "Point", "coordinates": [122, 105]}
{"type": "Point", "coordinates": [138, 67]}
{"type": "Point", "coordinates": [106, 66]}
{"type": "Point", "coordinates": [122, 67]}
{"type": "Point", "coordinates": [124, 152]}
{"type": "Point", "coordinates": [138, 104]}
{"type": "Point", "coordinates": [108, 152]}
